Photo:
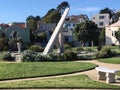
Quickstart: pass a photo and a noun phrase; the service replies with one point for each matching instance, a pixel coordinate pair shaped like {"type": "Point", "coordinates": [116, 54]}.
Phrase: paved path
{"type": "Point", "coordinates": [91, 73]}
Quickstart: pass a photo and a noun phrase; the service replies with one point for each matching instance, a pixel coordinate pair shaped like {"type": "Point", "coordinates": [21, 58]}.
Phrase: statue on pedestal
{"type": "Point", "coordinates": [19, 47]}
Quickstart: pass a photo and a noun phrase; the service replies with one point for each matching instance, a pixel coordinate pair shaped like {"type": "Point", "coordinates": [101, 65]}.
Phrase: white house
{"type": "Point", "coordinates": [69, 25]}
{"type": "Point", "coordinates": [110, 33]}
{"type": "Point", "coordinates": [101, 20]}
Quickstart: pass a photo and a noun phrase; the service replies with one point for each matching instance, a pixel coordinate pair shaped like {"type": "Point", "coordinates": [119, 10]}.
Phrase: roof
{"type": "Point", "coordinates": [71, 21]}
{"type": "Point", "coordinates": [21, 24]}
{"type": "Point", "coordinates": [4, 25]}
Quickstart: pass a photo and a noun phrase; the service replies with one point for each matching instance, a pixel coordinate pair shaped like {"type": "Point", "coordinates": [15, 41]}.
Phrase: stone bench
{"type": "Point", "coordinates": [106, 74]}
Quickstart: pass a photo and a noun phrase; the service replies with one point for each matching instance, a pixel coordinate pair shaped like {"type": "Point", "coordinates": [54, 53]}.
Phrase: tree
{"type": "Point", "coordinates": [116, 16]}
{"type": "Point", "coordinates": [49, 12]}
{"type": "Point", "coordinates": [102, 36]}
{"type": "Point", "coordinates": [107, 10]}
{"type": "Point", "coordinates": [38, 18]}
{"type": "Point", "coordinates": [32, 24]}
{"type": "Point", "coordinates": [3, 43]}
{"type": "Point", "coordinates": [117, 35]}
{"type": "Point", "coordinates": [53, 16]}
{"type": "Point", "coordinates": [61, 7]}
{"type": "Point", "coordinates": [85, 32]}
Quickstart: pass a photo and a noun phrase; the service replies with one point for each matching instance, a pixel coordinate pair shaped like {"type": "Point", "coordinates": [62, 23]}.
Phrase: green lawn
{"type": "Point", "coordinates": [113, 60]}
{"type": "Point", "coordinates": [36, 69]}
{"type": "Point", "coordinates": [80, 81]}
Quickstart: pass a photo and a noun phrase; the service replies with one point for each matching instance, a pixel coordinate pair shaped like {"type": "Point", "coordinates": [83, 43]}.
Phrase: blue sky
{"type": "Point", "coordinates": [19, 10]}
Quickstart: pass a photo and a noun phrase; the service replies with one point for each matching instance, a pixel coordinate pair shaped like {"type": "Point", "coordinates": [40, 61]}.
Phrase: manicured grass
{"type": "Point", "coordinates": [36, 69]}
{"type": "Point", "coordinates": [118, 73]}
{"type": "Point", "coordinates": [113, 60]}
{"type": "Point", "coordinates": [80, 81]}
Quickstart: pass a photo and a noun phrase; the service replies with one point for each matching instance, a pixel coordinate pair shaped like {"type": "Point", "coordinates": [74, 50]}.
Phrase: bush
{"type": "Point", "coordinates": [87, 57]}
{"type": "Point", "coordinates": [88, 49]}
{"type": "Point", "coordinates": [55, 57]}
{"type": "Point", "coordinates": [79, 49]}
{"type": "Point", "coordinates": [40, 57]}
{"type": "Point", "coordinates": [105, 52]}
{"type": "Point", "coordinates": [5, 48]}
{"type": "Point", "coordinates": [67, 46]}
{"type": "Point", "coordinates": [51, 56]}
{"type": "Point", "coordinates": [70, 55]}
{"type": "Point", "coordinates": [99, 48]}
{"type": "Point", "coordinates": [36, 48]}
{"type": "Point", "coordinates": [61, 57]}
{"type": "Point", "coordinates": [7, 56]}
{"type": "Point", "coordinates": [28, 56]}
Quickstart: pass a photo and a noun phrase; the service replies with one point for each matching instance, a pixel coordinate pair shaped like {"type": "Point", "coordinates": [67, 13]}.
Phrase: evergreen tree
{"type": "Point", "coordinates": [85, 32]}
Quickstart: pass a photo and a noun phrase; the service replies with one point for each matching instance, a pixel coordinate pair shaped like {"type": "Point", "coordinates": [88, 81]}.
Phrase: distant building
{"type": "Point", "coordinates": [15, 31]}
{"type": "Point", "coordinates": [110, 33]}
{"type": "Point", "coordinates": [69, 25]}
{"type": "Point", "coordinates": [44, 27]}
{"type": "Point", "coordinates": [101, 20]}
{"type": "Point", "coordinates": [2, 29]}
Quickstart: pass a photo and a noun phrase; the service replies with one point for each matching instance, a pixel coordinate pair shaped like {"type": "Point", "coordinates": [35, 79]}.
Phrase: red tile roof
{"type": "Point", "coordinates": [4, 25]}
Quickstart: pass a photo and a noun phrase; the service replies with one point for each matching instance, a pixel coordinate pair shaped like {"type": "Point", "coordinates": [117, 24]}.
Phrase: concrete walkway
{"type": "Point", "coordinates": [92, 74]}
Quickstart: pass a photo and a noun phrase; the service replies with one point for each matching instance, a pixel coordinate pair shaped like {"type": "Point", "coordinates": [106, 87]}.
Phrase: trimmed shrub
{"type": "Point", "coordinates": [61, 57]}
{"type": "Point", "coordinates": [56, 57]}
{"type": "Point", "coordinates": [31, 56]}
{"type": "Point", "coordinates": [40, 57]}
{"type": "Point", "coordinates": [28, 56]}
{"type": "Point", "coordinates": [36, 48]}
{"type": "Point", "coordinates": [87, 57]}
{"type": "Point", "coordinates": [70, 55]}
{"type": "Point", "coordinates": [105, 52]}
{"type": "Point", "coordinates": [88, 49]}
{"type": "Point", "coordinates": [6, 56]}
{"type": "Point", "coordinates": [52, 57]}
{"type": "Point", "coordinates": [99, 48]}
{"type": "Point", "coordinates": [79, 49]}
{"type": "Point", "coordinates": [67, 46]}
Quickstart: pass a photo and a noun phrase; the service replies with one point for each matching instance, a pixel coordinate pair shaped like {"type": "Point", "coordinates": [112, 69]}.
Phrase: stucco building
{"type": "Point", "coordinates": [110, 33]}
{"type": "Point", "coordinates": [15, 31]}
{"type": "Point", "coordinates": [101, 20]}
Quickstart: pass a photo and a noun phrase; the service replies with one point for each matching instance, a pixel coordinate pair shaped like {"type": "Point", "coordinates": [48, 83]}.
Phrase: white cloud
{"type": "Point", "coordinates": [88, 9]}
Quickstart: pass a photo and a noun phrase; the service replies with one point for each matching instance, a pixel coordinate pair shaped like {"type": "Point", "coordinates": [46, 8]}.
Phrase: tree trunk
{"type": "Point", "coordinates": [83, 44]}
{"type": "Point", "coordinates": [92, 43]}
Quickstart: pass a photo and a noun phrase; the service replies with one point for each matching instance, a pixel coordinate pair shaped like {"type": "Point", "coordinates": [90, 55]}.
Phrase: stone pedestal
{"type": "Point", "coordinates": [101, 75]}
{"type": "Point", "coordinates": [110, 77]}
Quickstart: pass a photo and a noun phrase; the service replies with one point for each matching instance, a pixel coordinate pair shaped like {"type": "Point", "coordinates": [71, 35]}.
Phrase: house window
{"type": "Point", "coordinates": [42, 27]}
{"type": "Point", "coordinates": [73, 24]}
{"type": "Point", "coordinates": [101, 17]}
{"type": "Point", "coordinates": [113, 33]}
{"type": "Point", "coordinates": [69, 24]}
{"type": "Point", "coordinates": [15, 35]}
{"type": "Point", "coordinates": [65, 28]}
{"type": "Point", "coordinates": [101, 23]}
{"type": "Point", "coordinates": [93, 18]}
